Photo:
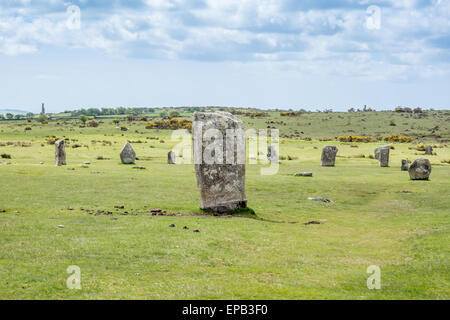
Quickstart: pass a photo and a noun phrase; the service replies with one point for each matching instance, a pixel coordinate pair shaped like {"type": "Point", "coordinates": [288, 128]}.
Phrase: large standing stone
{"type": "Point", "coordinates": [171, 157]}
{"type": "Point", "coordinates": [219, 157]}
{"type": "Point", "coordinates": [127, 155]}
{"type": "Point", "coordinates": [405, 165]}
{"type": "Point", "coordinates": [328, 156]}
{"type": "Point", "coordinates": [382, 155]}
{"type": "Point", "coordinates": [420, 169]}
{"type": "Point", "coordinates": [429, 150]}
{"type": "Point", "coordinates": [60, 153]}
{"type": "Point", "coordinates": [272, 154]}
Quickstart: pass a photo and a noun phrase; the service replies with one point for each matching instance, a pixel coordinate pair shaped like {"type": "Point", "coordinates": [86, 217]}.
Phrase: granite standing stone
{"type": "Point", "coordinates": [222, 181]}
{"type": "Point", "coordinates": [420, 169]}
{"type": "Point", "coordinates": [60, 153]}
{"type": "Point", "coordinates": [405, 165]}
{"type": "Point", "coordinates": [429, 150]}
{"type": "Point", "coordinates": [272, 154]}
{"type": "Point", "coordinates": [171, 157]}
{"type": "Point", "coordinates": [382, 155]}
{"type": "Point", "coordinates": [328, 156]}
{"type": "Point", "coordinates": [127, 155]}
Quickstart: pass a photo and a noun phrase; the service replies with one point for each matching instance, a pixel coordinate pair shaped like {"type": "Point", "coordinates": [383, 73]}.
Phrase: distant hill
{"type": "Point", "coordinates": [13, 111]}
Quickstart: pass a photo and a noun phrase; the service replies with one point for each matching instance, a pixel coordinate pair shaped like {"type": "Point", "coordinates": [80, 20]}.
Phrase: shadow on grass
{"type": "Point", "coordinates": [248, 213]}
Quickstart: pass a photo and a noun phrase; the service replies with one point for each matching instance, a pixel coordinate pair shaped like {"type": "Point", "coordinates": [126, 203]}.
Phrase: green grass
{"type": "Point", "coordinates": [137, 256]}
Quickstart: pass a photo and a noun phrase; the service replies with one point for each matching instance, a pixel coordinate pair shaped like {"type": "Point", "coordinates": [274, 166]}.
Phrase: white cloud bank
{"type": "Point", "coordinates": [311, 36]}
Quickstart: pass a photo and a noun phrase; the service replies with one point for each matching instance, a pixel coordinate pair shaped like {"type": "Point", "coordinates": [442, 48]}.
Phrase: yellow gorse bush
{"type": "Point", "coordinates": [171, 124]}
{"type": "Point", "coordinates": [365, 139]}
{"type": "Point", "coordinates": [398, 138]}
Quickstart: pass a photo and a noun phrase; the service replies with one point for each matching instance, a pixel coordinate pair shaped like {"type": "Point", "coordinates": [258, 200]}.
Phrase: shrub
{"type": "Point", "coordinates": [398, 138]}
{"type": "Point", "coordinates": [364, 139]}
{"type": "Point", "coordinates": [5, 156]}
{"type": "Point", "coordinates": [92, 124]}
{"type": "Point", "coordinates": [172, 124]}
{"type": "Point", "coordinates": [291, 114]}
{"type": "Point", "coordinates": [51, 140]}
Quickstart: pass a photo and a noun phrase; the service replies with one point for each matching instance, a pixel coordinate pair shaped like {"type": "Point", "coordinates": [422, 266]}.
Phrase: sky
{"type": "Point", "coordinates": [311, 54]}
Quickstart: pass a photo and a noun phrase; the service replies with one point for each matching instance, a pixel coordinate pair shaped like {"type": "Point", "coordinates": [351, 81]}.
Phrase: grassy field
{"type": "Point", "coordinates": [378, 217]}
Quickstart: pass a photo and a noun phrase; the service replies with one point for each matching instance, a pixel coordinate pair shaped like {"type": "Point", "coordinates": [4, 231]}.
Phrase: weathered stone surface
{"type": "Point", "coordinates": [127, 155]}
{"type": "Point", "coordinates": [382, 155]}
{"type": "Point", "coordinates": [405, 165]}
{"type": "Point", "coordinates": [429, 150]}
{"type": "Point", "coordinates": [272, 154]}
{"type": "Point", "coordinates": [328, 156]}
{"type": "Point", "coordinates": [420, 169]}
{"type": "Point", "coordinates": [171, 157]}
{"type": "Point", "coordinates": [60, 153]}
{"type": "Point", "coordinates": [222, 181]}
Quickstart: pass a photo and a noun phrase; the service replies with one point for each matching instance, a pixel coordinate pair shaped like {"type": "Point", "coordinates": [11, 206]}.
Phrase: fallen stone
{"type": "Point", "coordinates": [311, 222]}
{"type": "Point", "coordinates": [172, 226]}
{"type": "Point", "coordinates": [139, 168]}
{"type": "Point", "coordinates": [61, 226]}
{"type": "Point", "coordinates": [304, 174]}
{"type": "Point", "coordinates": [326, 200]}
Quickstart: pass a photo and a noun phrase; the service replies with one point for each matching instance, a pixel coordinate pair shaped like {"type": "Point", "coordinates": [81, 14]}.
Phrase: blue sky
{"type": "Point", "coordinates": [312, 54]}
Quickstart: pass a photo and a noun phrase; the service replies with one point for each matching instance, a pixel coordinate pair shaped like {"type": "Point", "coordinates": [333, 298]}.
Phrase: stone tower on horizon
{"type": "Point", "coordinates": [43, 109]}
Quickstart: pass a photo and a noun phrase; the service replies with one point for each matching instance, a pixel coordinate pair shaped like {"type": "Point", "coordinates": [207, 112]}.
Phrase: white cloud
{"type": "Point", "coordinates": [326, 37]}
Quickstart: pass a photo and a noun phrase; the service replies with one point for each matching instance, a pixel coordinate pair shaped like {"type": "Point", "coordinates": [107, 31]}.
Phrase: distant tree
{"type": "Point", "coordinates": [9, 116]}
{"type": "Point", "coordinates": [116, 121]}
{"type": "Point", "coordinates": [2, 117]}
{"type": "Point", "coordinates": [17, 117]}
{"type": "Point", "coordinates": [83, 118]}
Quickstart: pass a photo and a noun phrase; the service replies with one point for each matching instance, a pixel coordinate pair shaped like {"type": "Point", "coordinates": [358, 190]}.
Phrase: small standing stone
{"type": "Point", "coordinates": [382, 155]}
{"type": "Point", "coordinates": [420, 169]}
{"type": "Point", "coordinates": [272, 154]}
{"type": "Point", "coordinates": [60, 153]}
{"type": "Point", "coordinates": [127, 155]}
{"type": "Point", "coordinates": [429, 150]}
{"type": "Point", "coordinates": [171, 157]}
{"type": "Point", "coordinates": [405, 165]}
{"type": "Point", "coordinates": [329, 156]}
